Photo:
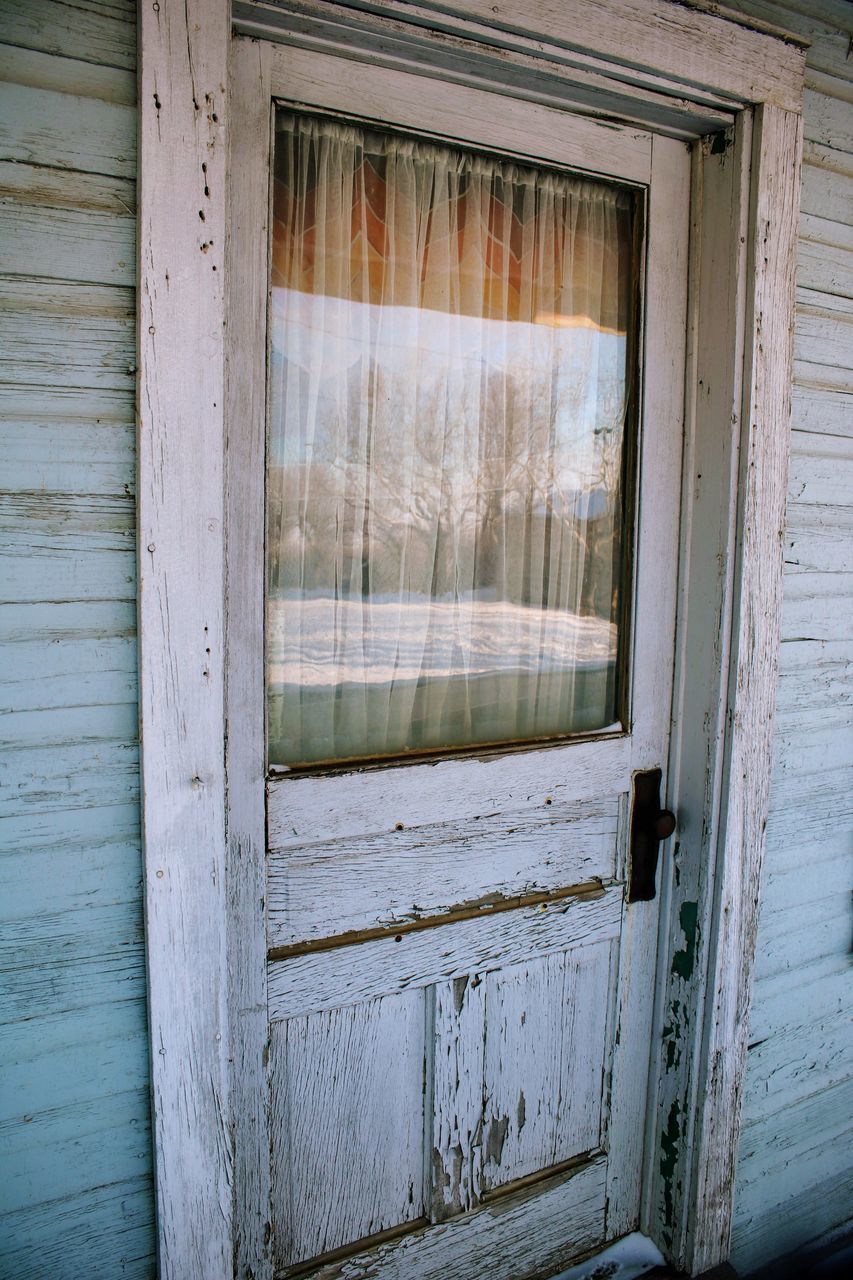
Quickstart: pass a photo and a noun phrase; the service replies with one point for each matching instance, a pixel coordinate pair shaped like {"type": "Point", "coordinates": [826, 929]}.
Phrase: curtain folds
{"type": "Point", "coordinates": [449, 379]}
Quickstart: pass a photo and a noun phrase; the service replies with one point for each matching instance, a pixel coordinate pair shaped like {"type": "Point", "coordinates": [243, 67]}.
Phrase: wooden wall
{"type": "Point", "coordinates": [76, 1190]}
{"type": "Point", "coordinates": [795, 1172]}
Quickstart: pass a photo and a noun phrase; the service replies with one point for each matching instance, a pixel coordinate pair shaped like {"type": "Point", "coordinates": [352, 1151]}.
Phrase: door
{"type": "Point", "coordinates": [473, 399]}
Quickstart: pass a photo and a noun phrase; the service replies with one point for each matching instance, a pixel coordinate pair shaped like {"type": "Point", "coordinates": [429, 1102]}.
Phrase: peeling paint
{"type": "Point", "coordinates": [684, 960]}
{"type": "Point", "coordinates": [669, 1152]}
{"type": "Point", "coordinates": [672, 1036]}
{"type": "Point", "coordinates": [460, 986]}
{"type": "Point", "coordinates": [496, 1139]}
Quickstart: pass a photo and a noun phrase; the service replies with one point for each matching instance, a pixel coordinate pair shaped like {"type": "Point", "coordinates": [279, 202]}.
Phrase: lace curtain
{"type": "Point", "coordinates": [448, 390]}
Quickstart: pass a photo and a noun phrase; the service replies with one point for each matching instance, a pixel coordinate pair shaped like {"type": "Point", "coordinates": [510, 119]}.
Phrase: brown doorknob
{"type": "Point", "coordinates": [649, 825]}
{"type": "Point", "coordinates": [664, 824]}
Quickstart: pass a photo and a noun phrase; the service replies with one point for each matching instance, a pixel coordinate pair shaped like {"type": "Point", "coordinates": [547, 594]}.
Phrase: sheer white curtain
{"type": "Point", "coordinates": [449, 380]}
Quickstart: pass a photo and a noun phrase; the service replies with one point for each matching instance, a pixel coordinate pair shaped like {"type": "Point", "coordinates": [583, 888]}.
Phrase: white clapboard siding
{"type": "Point", "coordinates": [794, 1180]}
{"type": "Point", "coordinates": [76, 1196]}
{"type": "Point", "coordinates": [393, 878]}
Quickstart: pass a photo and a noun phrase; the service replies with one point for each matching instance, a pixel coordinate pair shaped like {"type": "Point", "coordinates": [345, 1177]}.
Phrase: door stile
{"type": "Point", "coordinates": [245, 750]}
{"type": "Point", "coordinates": [656, 575]}
{"type": "Point", "coordinates": [718, 270]}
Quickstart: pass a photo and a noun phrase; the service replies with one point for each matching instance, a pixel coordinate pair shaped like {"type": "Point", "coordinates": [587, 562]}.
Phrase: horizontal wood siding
{"type": "Point", "coordinates": [795, 1173]}
{"type": "Point", "coordinates": [76, 1194]}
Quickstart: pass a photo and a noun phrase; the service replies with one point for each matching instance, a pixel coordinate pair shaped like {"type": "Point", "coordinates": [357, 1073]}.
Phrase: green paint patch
{"type": "Point", "coordinates": [684, 960]}
{"type": "Point", "coordinates": [672, 1034]}
{"type": "Point", "coordinates": [669, 1151]}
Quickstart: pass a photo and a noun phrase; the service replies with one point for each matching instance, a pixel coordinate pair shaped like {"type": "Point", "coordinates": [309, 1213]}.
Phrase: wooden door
{"type": "Point", "coordinates": [460, 995]}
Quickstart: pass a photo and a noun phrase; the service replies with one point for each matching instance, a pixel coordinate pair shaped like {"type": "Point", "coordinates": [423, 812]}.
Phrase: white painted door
{"type": "Point", "coordinates": [459, 993]}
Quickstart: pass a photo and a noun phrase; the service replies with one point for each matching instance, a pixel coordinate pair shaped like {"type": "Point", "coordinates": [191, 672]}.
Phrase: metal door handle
{"type": "Point", "coordinates": [649, 825]}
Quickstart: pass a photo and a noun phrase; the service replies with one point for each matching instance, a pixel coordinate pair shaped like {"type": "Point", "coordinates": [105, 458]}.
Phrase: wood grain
{"type": "Point", "coordinates": [247, 255]}
{"type": "Point", "coordinates": [527, 1232]}
{"type": "Point", "coordinates": [310, 810]}
{"type": "Point", "coordinates": [329, 979]}
{"type": "Point", "coordinates": [467, 114]}
{"type": "Point", "coordinates": [392, 878]}
{"type": "Point", "coordinates": [765, 473]}
{"type": "Point", "coordinates": [702, 51]}
{"type": "Point", "coordinates": [181, 409]}
{"type": "Point", "coordinates": [544, 1062]}
{"type": "Point", "coordinates": [519, 66]}
{"type": "Point", "coordinates": [347, 1124]}
{"type": "Point", "coordinates": [455, 1073]}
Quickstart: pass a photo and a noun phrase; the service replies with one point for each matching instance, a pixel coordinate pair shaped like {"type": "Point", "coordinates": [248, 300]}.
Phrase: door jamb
{"type": "Point", "coordinates": [206, 995]}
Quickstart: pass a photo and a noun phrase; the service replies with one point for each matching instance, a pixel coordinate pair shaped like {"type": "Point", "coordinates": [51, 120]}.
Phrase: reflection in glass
{"type": "Point", "coordinates": [448, 389]}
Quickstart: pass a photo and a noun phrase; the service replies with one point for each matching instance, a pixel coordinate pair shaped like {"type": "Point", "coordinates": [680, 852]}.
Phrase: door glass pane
{"type": "Point", "coordinates": [451, 370]}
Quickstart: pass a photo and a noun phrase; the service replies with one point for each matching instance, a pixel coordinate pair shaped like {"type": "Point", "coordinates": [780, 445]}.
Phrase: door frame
{"type": "Point", "coordinates": [733, 93]}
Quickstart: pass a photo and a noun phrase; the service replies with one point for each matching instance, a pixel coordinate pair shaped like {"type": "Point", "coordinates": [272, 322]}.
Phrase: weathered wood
{"type": "Point", "coordinates": [97, 248]}
{"type": "Point", "coordinates": [520, 66]}
{"type": "Point", "coordinates": [795, 1178]}
{"type": "Point", "coordinates": [804, 934]}
{"type": "Point", "coordinates": [36, 184]}
{"type": "Point", "coordinates": [827, 188]}
{"type": "Point", "coordinates": [822, 26]}
{"type": "Point", "coordinates": [81, 983]}
{"type": "Point", "coordinates": [245, 755]}
{"type": "Point", "coordinates": [456, 1085]}
{"type": "Point", "coordinates": [111, 1226]}
{"type": "Point", "coordinates": [96, 31]}
{"type": "Point", "coordinates": [326, 979]}
{"type": "Point", "coordinates": [51, 779]}
{"type": "Point", "coordinates": [827, 412]}
{"type": "Point", "coordinates": [467, 114]}
{"type": "Point", "coordinates": [702, 51]}
{"type": "Point", "coordinates": [715, 333]}
{"type": "Point", "coordinates": [823, 342]}
{"type": "Point", "coordinates": [664, 416]}
{"type": "Point", "coordinates": [392, 878]}
{"type": "Point", "coordinates": [349, 804]}
{"type": "Point", "coordinates": [182, 229]}
{"type": "Point", "coordinates": [544, 1062]}
{"type": "Point", "coordinates": [828, 120]}
{"type": "Point", "coordinates": [66, 75]}
{"type": "Point", "coordinates": [806, 1060]}
{"type": "Point", "coordinates": [40, 126]}
{"type": "Point", "coordinates": [527, 1232]}
{"type": "Point", "coordinates": [69, 1060]}
{"type": "Point", "coordinates": [347, 1124]}
{"type": "Point", "coordinates": [827, 266]}
{"type": "Point", "coordinates": [71, 1147]}
{"type": "Point", "coordinates": [67, 334]}
{"type": "Point", "coordinates": [818, 990]}
{"type": "Point", "coordinates": [775, 1225]}
{"type": "Point", "coordinates": [764, 468]}
{"type": "Point", "coordinates": [818, 539]}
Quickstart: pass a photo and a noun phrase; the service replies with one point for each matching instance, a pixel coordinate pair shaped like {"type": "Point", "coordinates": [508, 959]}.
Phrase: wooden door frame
{"type": "Point", "coordinates": [737, 90]}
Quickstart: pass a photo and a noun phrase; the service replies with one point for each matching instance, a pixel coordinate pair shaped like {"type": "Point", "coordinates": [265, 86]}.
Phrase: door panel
{"type": "Point", "coordinates": [347, 1127]}
{"type": "Point", "coordinates": [393, 879]}
{"type": "Point", "coordinates": [476, 1081]}
{"type": "Point", "coordinates": [544, 1061]}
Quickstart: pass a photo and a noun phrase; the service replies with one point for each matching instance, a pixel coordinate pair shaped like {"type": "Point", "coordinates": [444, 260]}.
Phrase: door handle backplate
{"type": "Point", "coordinates": [649, 825]}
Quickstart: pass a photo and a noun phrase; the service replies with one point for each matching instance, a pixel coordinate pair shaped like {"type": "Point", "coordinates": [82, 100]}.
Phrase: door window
{"type": "Point", "coordinates": [451, 376]}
